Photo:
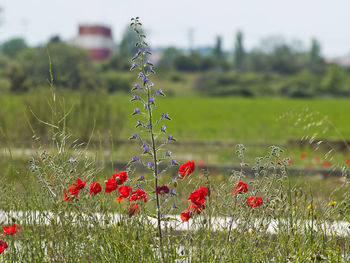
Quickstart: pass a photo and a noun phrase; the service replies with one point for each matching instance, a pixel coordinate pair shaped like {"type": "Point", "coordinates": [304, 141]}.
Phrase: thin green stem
{"type": "Point", "coordinates": [155, 171]}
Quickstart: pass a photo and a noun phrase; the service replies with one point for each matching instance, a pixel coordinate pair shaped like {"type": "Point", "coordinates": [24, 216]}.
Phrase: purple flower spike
{"type": "Point", "coordinates": [162, 128]}
{"type": "Point", "coordinates": [172, 192]}
{"type": "Point", "coordinates": [168, 153]}
{"type": "Point", "coordinates": [133, 66]}
{"type": "Point", "coordinates": [146, 106]}
{"type": "Point", "coordinates": [140, 74]}
{"type": "Point", "coordinates": [136, 86]}
{"type": "Point", "coordinates": [146, 149]}
{"type": "Point", "coordinates": [173, 162]}
{"type": "Point", "coordinates": [141, 178]}
{"type": "Point", "coordinates": [150, 165]}
{"type": "Point", "coordinates": [134, 159]}
{"type": "Point", "coordinates": [174, 205]}
{"type": "Point", "coordinates": [139, 49]}
{"type": "Point", "coordinates": [150, 68]}
{"type": "Point", "coordinates": [148, 124]}
{"type": "Point", "coordinates": [160, 92]}
{"type": "Point", "coordinates": [136, 111]}
{"type": "Point", "coordinates": [135, 98]}
{"type": "Point", "coordinates": [138, 123]}
{"type": "Point", "coordinates": [165, 116]}
{"type": "Point", "coordinates": [145, 79]}
{"type": "Point", "coordinates": [171, 138]}
{"type": "Point", "coordinates": [71, 160]}
{"type": "Point", "coordinates": [151, 84]}
{"type": "Point", "coordinates": [151, 101]}
{"type": "Point", "coordinates": [134, 136]}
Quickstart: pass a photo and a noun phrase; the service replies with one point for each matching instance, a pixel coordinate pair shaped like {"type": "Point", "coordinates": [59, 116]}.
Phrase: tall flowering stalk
{"type": "Point", "coordinates": [144, 93]}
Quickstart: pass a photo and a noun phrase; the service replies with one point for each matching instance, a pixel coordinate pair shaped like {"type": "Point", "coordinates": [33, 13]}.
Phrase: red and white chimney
{"type": "Point", "coordinates": [96, 39]}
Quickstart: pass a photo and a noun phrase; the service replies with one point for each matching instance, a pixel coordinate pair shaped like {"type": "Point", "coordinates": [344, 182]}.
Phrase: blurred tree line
{"type": "Point", "coordinates": [273, 68]}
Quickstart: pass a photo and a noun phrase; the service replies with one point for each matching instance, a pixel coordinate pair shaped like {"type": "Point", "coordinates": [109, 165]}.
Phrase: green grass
{"type": "Point", "coordinates": [244, 120]}
{"type": "Point", "coordinates": [239, 120]}
{"type": "Point", "coordinates": [87, 239]}
{"type": "Point", "coordinates": [286, 198]}
{"type": "Point", "coordinates": [194, 117]}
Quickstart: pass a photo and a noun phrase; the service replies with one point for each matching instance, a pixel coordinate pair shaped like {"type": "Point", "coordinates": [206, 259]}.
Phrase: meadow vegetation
{"type": "Point", "coordinates": [232, 118]}
{"type": "Point", "coordinates": [196, 215]}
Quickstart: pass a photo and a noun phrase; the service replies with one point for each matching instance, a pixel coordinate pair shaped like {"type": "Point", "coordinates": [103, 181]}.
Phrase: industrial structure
{"type": "Point", "coordinates": [97, 39]}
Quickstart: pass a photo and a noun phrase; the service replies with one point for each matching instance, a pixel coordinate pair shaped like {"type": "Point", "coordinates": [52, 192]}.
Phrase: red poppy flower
{"type": "Point", "coordinates": [133, 209]}
{"type": "Point", "coordinates": [185, 215]}
{"type": "Point", "coordinates": [201, 163]}
{"type": "Point", "coordinates": [3, 246]}
{"type": "Point", "coordinates": [73, 191]}
{"type": "Point", "coordinates": [255, 201]}
{"type": "Point", "coordinates": [80, 183]}
{"type": "Point", "coordinates": [95, 188]}
{"type": "Point", "coordinates": [124, 191]}
{"type": "Point", "coordinates": [196, 208]}
{"type": "Point", "coordinates": [326, 164]}
{"type": "Point", "coordinates": [10, 230]}
{"type": "Point", "coordinates": [302, 156]}
{"type": "Point", "coordinates": [240, 188]}
{"type": "Point", "coordinates": [198, 196]}
{"type": "Point", "coordinates": [162, 189]}
{"type": "Point", "coordinates": [120, 177]}
{"type": "Point", "coordinates": [347, 161]}
{"type": "Point", "coordinates": [317, 159]}
{"type": "Point", "coordinates": [290, 160]}
{"type": "Point", "coordinates": [111, 185]}
{"type": "Point", "coordinates": [186, 168]}
{"type": "Point", "coordinates": [65, 197]}
{"type": "Point", "coordinates": [138, 194]}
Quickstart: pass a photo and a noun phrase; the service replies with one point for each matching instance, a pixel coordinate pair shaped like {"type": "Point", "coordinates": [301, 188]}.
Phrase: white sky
{"type": "Point", "coordinates": [168, 22]}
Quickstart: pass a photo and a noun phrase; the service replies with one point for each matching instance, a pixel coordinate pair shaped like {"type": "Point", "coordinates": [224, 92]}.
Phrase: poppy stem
{"type": "Point", "coordinates": [231, 223]}
{"type": "Point", "coordinates": [206, 174]}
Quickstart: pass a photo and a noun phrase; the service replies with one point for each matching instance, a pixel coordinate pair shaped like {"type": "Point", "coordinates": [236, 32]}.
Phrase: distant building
{"type": "Point", "coordinates": [97, 39]}
{"type": "Point", "coordinates": [341, 61]}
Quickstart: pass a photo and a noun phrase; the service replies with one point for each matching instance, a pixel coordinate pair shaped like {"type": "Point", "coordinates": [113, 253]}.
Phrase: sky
{"type": "Point", "coordinates": [168, 23]}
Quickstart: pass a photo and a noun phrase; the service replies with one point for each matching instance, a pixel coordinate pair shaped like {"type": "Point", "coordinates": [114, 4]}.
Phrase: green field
{"type": "Point", "coordinates": [258, 123]}
{"type": "Point", "coordinates": [262, 119]}
{"type": "Point", "coordinates": [193, 118]}
{"type": "Point", "coordinates": [40, 187]}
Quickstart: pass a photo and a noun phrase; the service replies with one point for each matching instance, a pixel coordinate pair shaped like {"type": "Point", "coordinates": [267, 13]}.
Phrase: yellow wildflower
{"type": "Point", "coordinates": [332, 203]}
